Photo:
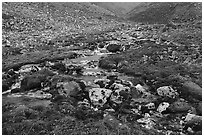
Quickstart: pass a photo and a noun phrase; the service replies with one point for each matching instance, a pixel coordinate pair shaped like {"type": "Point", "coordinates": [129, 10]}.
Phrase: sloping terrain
{"type": "Point", "coordinates": [35, 24]}
{"type": "Point", "coordinates": [118, 8]}
{"type": "Point", "coordinates": [158, 12]}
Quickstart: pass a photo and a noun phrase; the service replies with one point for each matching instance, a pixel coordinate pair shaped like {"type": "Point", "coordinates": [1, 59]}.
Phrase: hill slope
{"type": "Point", "coordinates": [118, 8]}
{"type": "Point", "coordinates": [162, 12]}
{"type": "Point", "coordinates": [25, 23]}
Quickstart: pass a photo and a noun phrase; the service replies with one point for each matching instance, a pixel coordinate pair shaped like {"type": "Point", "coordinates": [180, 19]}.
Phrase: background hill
{"type": "Point", "coordinates": [161, 12]}
{"type": "Point", "coordinates": [118, 8]}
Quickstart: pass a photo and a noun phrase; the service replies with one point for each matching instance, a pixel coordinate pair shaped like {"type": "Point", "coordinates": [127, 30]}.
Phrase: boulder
{"type": "Point", "coordinates": [59, 66]}
{"type": "Point", "coordinates": [32, 81]}
{"type": "Point", "coordinates": [120, 93]}
{"type": "Point", "coordinates": [193, 121]}
{"type": "Point", "coordinates": [101, 82]}
{"type": "Point", "coordinates": [107, 64]}
{"type": "Point", "coordinates": [145, 99]}
{"type": "Point", "coordinates": [101, 45]}
{"type": "Point", "coordinates": [16, 90]}
{"type": "Point", "coordinates": [199, 108]}
{"type": "Point", "coordinates": [140, 88]}
{"type": "Point", "coordinates": [163, 106]}
{"type": "Point", "coordinates": [114, 46]}
{"type": "Point", "coordinates": [69, 89]}
{"type": "Point", "coordinates": [5, 86]}
{"type": "Point", "coordinates": [190, 88]}
{"type": "Point", "coordinates": [167, 91]}
{"type": "Point", "coordinates": [98, 96]}
{"type": "Point", "coordinates": [179, 106]}
{"type": "Point", "coordinates": [46, 72]}
{"type": "Point", "coordinates": [75, 68]}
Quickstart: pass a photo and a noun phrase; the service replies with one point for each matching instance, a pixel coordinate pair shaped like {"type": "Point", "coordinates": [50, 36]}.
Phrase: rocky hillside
{"type": "Point", "coordinates": [163, 12]}
{"type": "Point", "coordinates": [32, 24]}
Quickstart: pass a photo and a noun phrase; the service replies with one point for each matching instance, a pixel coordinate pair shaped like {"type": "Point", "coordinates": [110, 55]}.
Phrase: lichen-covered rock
{"type": "Point", "coordinates": [167, 91]}
{"type": "Point", "coordinates": [98, 96]}
{"type": "Point", "coordinates": [163, 106]}
{"type": "Point", "coordinates": [120, 93]}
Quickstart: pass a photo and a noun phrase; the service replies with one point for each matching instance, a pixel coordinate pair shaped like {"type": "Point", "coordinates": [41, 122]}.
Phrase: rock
{"type": "Point", "coordinates": [193, 121]}
{"type": "Point", "coordinates": [46, 72]}
{"type": "Point", "coordinates": [114, 46]}
{"type": "Point", "coordinates": [163, 106]}
{"type": "Point", "coordinates": [123, 129]}
{"type": "Point", "coordinates": [140, 88]}
{"type": "Point", "coordinates": [5, 86]}
{"type": "Point", "coordinates": [112, 77]}
{"type": "Point", "coordinates": [29, 68]}
{"type": "Point", "coordinates": [179, 106]}
{"type": "Point", "coordinates": [111, 122]}
{"type": "Point", "coordinates": [11, 72]}
{"type": "Point", "coordinates": [199, 108]}
{"type": "Point", "coordinates": [120, 93]}
{"type": "Point", "coordinates": [127, 83]}
{"type": "Point", "coordinates": [59, 66]}
{"type": "Point", "coordinates": [147, 121]}
{"type": "Point", "coordinates": [135, 93]}
{"type": "Point", "coordinates": [101, 82]}
{"type": "Point", "coordinates": [145, 99]}
{"type": "Point", "coordinates": [101, 45]}
{"type": "Point", "coordinates": [150, 106]}
{"type": "Point", "coordinates": [32, 81]}
{"type": "Point", "coordinates": [119, 87]}
{"type": "Point", "coordinates": [167, 91]}
{"type": "Point", "coordinates": [192, 89]}
{"type": "Point", "coordinates": [16, 90]}
{"type": "Point", "coordinates": [69, 89]}
{"type": "Point", "coordinates": [82, 84]}
{"type": "Point", "coordinates": [98, 96]}
{"type": "Point", "coordinates": [107, 64]}
{"type": "Point", "coordinates": [78, 69]}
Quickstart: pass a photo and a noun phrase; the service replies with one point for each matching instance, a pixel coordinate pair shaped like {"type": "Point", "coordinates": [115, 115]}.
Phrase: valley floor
{"type": "Point", "coordinates": [133, 79]}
